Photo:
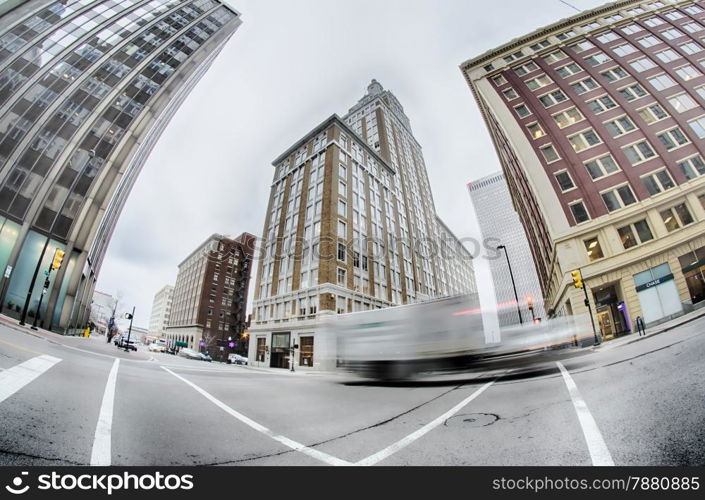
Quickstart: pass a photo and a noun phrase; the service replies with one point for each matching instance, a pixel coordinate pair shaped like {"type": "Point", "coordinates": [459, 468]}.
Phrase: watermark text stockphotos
{"type": "Point", "coordinates": [110, 483]}
{"type": "Point", "coordinates": [326, 247]}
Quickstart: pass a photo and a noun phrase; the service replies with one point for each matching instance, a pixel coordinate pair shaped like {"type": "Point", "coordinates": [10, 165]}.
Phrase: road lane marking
{"type": "Point", "coordinates": [294, 445]}
{"type": "Point", "coordinates": [599, 454]}
{"type": "Point", "coordinates": [101, 454]}
{"type": "Point", "coordinates": [15, 378]}
{"type": "Point", "coordinates": [21, 348]}
{"type": "Point", "coordinates": [404, 442]}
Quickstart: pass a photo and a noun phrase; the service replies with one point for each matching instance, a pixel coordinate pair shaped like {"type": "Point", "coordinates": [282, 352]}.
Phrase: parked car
{"type": "Point", "coordinates": [236, 359]}
{"type": "Point", "coordinates": [189, 353]}
{"type": "Point", "coordinates": [155, 347]}
{"type": "Point", "coordinates": [206, 357]}
{"type": "Point", "coordinates": [125, 344]}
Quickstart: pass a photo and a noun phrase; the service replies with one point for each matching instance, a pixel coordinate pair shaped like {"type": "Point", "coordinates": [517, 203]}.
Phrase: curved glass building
{"type": "Point", "coordinates": [86, 88]}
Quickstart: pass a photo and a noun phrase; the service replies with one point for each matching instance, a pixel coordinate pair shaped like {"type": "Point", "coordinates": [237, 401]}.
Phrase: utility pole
{"type": "Point", "coordinates": [129, 330]}
{"type": "Point", "coordinates": [511, 275]}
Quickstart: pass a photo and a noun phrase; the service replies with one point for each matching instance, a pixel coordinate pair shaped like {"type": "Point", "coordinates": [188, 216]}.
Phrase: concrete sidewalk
{"type": "Point", "coordinates": [651, 331]}
{"type": "Point", "coordinates": [96, 343]}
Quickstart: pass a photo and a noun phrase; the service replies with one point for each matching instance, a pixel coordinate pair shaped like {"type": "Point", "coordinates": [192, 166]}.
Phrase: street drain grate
{"type": "Point", "coordinates": [472, 420]}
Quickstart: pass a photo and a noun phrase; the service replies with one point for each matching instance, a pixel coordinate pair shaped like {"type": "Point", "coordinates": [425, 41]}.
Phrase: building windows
{"type": "Point", "coordinates": [642, 64]}
{"type": "Point", "coordinates": [673, 15]}
{"type": "Point", "coordinates": [682, 102]}
{"type": "Point", "coordinates": [614, 74]}
{"type": "Point", "coordinates": [552, 98]}
{"type": "Point", "coordinates": [342, 189]}
{"type": "Point", "coordinates": [306, 352]}
{"type": "Point", "coordinates": [597, 59]}
{"type": "Point", "coordinates": [676, 217]}
{"type": "Point", "coordinates": [671, 34]}
{"type": "Point", "coordinates": [568, 117]}
{"type": "Point", "coordinates": [601, 167]}
{"type": "Point", "coordinates": [630, 29]}
{"type": "Point", "coordinates": [541, 45]}
{"type": "Point", "coordinates": [510, 94]}
{"type": "Point", "coordinates": [584, 140]}
{"type": "Point", "coordinates": [613, 18]}
{"type": "Point", "coordinates": [661, 82]}
{"type": "Point", "coordinates": [658, 182]}
{"type": "Point", "coordinates": [342, 171]}
{"type": "Point", "coordinates": [673, 138]}
{"type": "Point", "coordinates": [609, 36]}
{"type": "Point", "coordinates": [593, 249]}
{"type": "Point", "coordinates": [701, 91]}
{"type": "Point", "coordinates": [691, 48]}
{"type": "Point", "coordinates": [648, 41]}
{"type": "Point", "coordinates": [633, 92]}
{"type": "Point", "coordinates": [564, 181]}
{"type": "Point", "coordinates": [584, 86]}
{"type": "Point", "coordinates": [514, 57]}
{"type": "Point", "coordinates": [620, 126]}
{"type": "Point", "coordinates": [635, 234]}
{"type": "Point", "coordinates": [618, 198]}
{"type": "Point", "coordinates": [639, 152]}
{"type": "Point", "coordinates": [538, 82]}
{"type": "Point", "coordinates": [342, 276]}
{"type": "Point", "coordinates": [341, 252]}
{"type": "Point", "coordinates": [579, 212]}
{"type": "Point", "coordinates": [499, 80]}
{"type": "Point", "coordinates": [698, 126]}
{"type": "Point", "coordinates": [554, 56]}
{"type": "Point", "coordinates": [565, 35]}
{"type": "Point", "coordinates": [590, 26]}
{"type": "Point", "coordinates": [570, 69]}
{"type": "Point", "coordinates": [692, 167]}
{"type": "Point", "coordinates": [601, 104]}
{"type": "Point", "coordinates": [692, 27]}
{"type": "Point", "coordinates": [581, 46]}
{"type": "Point", "coordinates": [522, 111]}
{"type": "Point", "coordinates": [526, 68]}
{"type": "Point", "coordinates": [688, 72]}
{"type": "Point", "coordinates": [652, 113]}
{"type": "Point", "coordinates": [342, 208]}
{"type": "Point", "coordinates": [535, 130]}
{"type": "Point", "coordinates": [693, 9]}
{"type": "Point", "coordinates": [668, 55]}
{"type": "Point", "coordinates": [549, 153]}
{"type": "Point", "coordinates": [342, 229]}
{"type": "Point", "coordinates": [624, 50]}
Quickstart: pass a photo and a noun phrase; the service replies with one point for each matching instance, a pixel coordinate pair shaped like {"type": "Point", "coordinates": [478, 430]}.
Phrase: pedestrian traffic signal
{"type": "Point", "coordinates": [530, 302]}
{"type": "Point", "coordinates": [577, 279]}
{"type": "Point", "coordinates": [58, 259]}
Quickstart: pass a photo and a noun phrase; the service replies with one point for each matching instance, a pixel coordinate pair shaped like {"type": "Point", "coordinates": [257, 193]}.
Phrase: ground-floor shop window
{"type": "Point", "coordinates": [261, 348]}
{"type": "Point", "coordinates": [306, 351]}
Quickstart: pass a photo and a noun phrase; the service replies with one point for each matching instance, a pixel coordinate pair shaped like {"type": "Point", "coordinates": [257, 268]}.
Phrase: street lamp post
{"type": "Point", "coordinates": [511, 275]}
{"type": "Point", "coordinates": [129, 330]}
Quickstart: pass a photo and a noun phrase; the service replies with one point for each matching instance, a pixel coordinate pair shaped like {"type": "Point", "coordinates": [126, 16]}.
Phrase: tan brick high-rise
{"type": "Point", "coordinates": [351, 226]}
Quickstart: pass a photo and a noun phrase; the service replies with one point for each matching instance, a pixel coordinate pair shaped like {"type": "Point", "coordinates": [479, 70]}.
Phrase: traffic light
{"type": "Point", "coordinates": [58, 259]}
{"type": "Point", "coordinates": [530, 302]}
{"type": "Point", "coordinates": [577, 279]}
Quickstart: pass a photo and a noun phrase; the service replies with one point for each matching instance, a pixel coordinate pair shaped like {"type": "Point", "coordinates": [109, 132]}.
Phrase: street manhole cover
{"type": "Point", "coordinates": [472, 420]}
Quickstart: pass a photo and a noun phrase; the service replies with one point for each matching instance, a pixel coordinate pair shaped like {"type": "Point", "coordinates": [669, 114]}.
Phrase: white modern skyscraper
{"type": "Point", "coordinates": [500, 225]}
{"type": "Point", "coordinates": [161, 309]}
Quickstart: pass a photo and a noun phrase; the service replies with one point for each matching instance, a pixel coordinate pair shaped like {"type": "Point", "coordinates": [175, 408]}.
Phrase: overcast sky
{"type": "Point", "coordinates": [290, 65]}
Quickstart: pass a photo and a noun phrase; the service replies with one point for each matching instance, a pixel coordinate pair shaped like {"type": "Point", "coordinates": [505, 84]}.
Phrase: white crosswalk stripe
{"type": "Point", "coordinates": [15, 378]}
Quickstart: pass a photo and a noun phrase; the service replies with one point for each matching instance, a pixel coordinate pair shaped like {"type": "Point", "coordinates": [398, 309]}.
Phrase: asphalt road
{"type": "Point", "coordinates": [641, 403]}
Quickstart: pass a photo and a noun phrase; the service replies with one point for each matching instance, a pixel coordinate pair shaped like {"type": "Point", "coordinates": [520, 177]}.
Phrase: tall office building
{"type": "Point", "coordinates": [351, 226]}
{"type": "Point", "coordinates": [86, 88]}
{"type": "Point", "coordinates": [209, 305]}
{"type": "Point", "coordinates": [599, 123]}
{"type": "Point", "coordinates": [500, 225]}
{"type": "Point", "coordinates": [161, 310]}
